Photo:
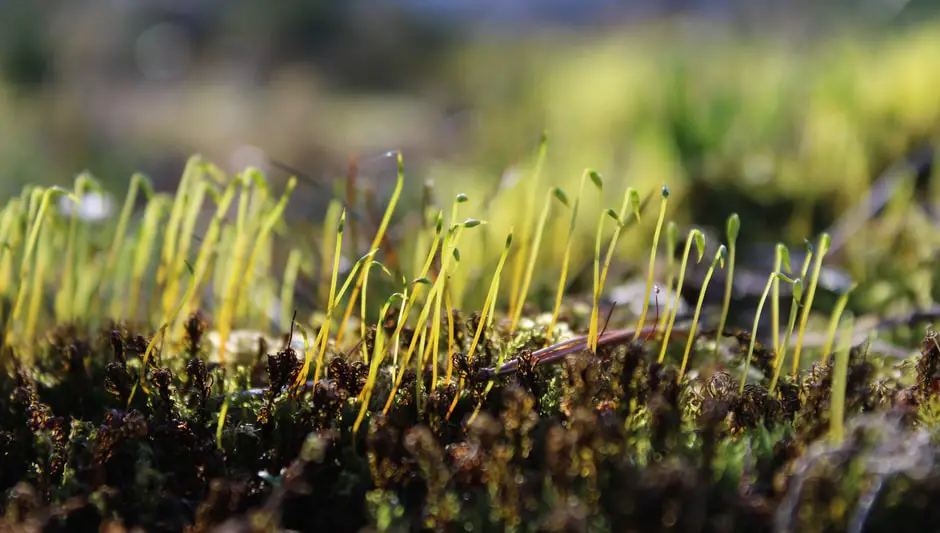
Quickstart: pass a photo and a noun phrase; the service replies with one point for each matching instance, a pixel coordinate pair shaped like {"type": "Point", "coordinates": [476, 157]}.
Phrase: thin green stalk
{"type": "Point", "coordinates": [760, 307]}
{"type": "Point", "coordinates": [781, 260]}
{"type": "Point", "coordinates": [288, 286]}
{"type": "Point", "coordinates": [226, 315]}
{"type": "Point", "coordinates": [731, 231]}
{"type": "Point", "coordinates": [324, 333]}
{"type": "Point", "coordinates": [824, 241]}
{"type": "Point", "coordinates": [834, 322]}
{"type": "Point", "coordinates": [66, 293]}
{"type": "Point", "coordinates": [519, 299]}
{"type": "Point", "coordinates": [517, 294]}
{"type": "Point", "coordinates": [719, 259]}
{"type": "Point", "coordinates": [696, 237]}
{"type": "Point", "coordinates": [840, 382]}
{"type": "Point", "coordinates": [672, 241]}
{"type": "Point", "coordinates": [781, 355]}
{"type": "Point", "coordinates": [32, 239]}
{"type": "Point", "coordinates": [631, 198]}
{"type": "Point", "coordinates": [146, 238]}
{"type": "Point", "coordinates": [376, 242]}
{"type": "Point", "coordinates": [562, 279]}
{"type": "Point", "coordinates": [652, 265]}
{"type": "Point", "coordinates": [378, 349]}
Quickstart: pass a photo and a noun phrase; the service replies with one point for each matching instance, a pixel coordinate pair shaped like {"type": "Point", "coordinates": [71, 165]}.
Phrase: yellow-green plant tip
{"type": "Point", "coordinates": [798, 289]}
{"type": "Point", "coordinates": [825, 241]}
{"type": "Point", "coordinates": [665, 191]}
{"type": "Point", "coordinates": [560, 195]}
{"type": "Point", "coordinates": [634, 196]}
{"type": "Point", "coordinates": [699, 244]}
{"type": "Point", "coordinates": [722, 255]}
{"type": "Point", "coordinates": [733, 227]}
{"type": "Point", "coordinates": [456, 254]}
{"type": "Point", "coordinates": [461, 198]}
{"type": "Point", "coordinates": [784, 254]}
{"type": "Point", "coordinates": [672, 236]}
{"type": "Point", "coordinates": [471, 223]}
{"type": "Point", "coordinates": [596, 179]}
{"type": "Point", "coordinates": [613, 214]}
{"type": "Point", "coordinates": [423, 281]}
{"type": "Point", "coordinates": [509, 240]}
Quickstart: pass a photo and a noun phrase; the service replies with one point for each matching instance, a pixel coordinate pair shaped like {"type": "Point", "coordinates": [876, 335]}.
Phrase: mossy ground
{"type": "Point", "coordinates": [605, 442]}
{"type": "Point", "coordinates": [439, 409]}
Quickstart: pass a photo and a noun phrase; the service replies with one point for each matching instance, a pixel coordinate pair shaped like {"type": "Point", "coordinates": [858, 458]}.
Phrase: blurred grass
{"type": "Point", "coordinates": [790, 133]}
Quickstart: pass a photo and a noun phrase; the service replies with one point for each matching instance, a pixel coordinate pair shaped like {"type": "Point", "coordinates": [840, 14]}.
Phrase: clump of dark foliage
{"type": "Point", "coordinates": [605, 442]}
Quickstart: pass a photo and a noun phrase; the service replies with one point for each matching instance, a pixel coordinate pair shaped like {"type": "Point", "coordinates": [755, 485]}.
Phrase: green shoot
{"type": "Point", "coordinates": [834, 322]}
{"type": "Point", "coordinates": [631, 198]}
{"type": "Point", "coordinates": [824, 242]}
{"type": "Point", "coordinates": [324, 333]}
{"type": "Point", "coordinates": [518, 289]}
{"type": "Point", "coordinates": [138, 182]}
{"type": "Point", "coordinates": [652, 265]}
{"type": "Point", "coordinates": [672, 241]}
{"type": "Point", "coordinates": [38, 216]}
{"type": "Point", "coordinates": [732, 228]}
{"type": "Point", "coordinates": [379, 236]}
{"type": "Point", "coordinates": [64, 298]}
{"type": "Point", "coordinates": [597, 273]}
{"type": "Point", "coordinates": [193, 283]}
{"type": "Point", "coordinates": [207, 250]}
{"type": "Point", "coordinates": [487, 310]}
{"type": "Point", "coordinates": [146, 239]}
{"type": "Point", "coordinates": [167, 279]}
{"type": "Point", "coordinates": [426, 308]}
{"type": "Point", "coordinates": [226, 313]}
{"type": "Point", "coordinates": [781, 260]}
{"type": "Point", "coordinates": [378, 350]}
{"type": "Point", "coordinates": [696, 237]}
{"type": "Point", "coordinates": [491, 296]}
{"type": "Point", "coordinates": [760, 307]}
{"type": "Point", "coordinates": [563, 278]}
{"type": "Point", "coordinates": [40, 269]}
{"type": "Point", "coordinates": [781, 355]}
{"type": "Point", "coordinates": [839, 382]}
{"type": "Point", "coordinates": [291, 273]}
{"type": "Point", "coordinates": [519, 298]}
{"type": "Point", "coordinates": [719, 259]}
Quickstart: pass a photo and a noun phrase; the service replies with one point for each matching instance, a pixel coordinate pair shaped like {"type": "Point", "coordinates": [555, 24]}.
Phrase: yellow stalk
{"type": "Point", "coordinates": [732, 228]}
{"type": "Point", "coordinates": [652, 264]}
{"type": "Point", "coordinates": [519, 299]}
{"type": "Point", "coordinates": [631, 197]}
{"type": "Point", "coordinates": [720, 261]}
{"type": "Point", "coordinates": [824, 242]}
{"type": "Point", "coordinates": [696, 237]}
{"type": "Point", "coordinates": [32, 238]}
{"type": "Point", "coordinates": [517, 292]}
{"type": "Point", "coordinates": [379, 235]}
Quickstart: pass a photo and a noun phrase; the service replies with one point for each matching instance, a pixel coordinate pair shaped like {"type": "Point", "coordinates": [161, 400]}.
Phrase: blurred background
{"type": "Point", "coordinates": [786, 114]}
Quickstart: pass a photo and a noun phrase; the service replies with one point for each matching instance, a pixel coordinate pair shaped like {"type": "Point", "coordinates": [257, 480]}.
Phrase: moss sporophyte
{"type": "Point", "coordinates": [471, 378]}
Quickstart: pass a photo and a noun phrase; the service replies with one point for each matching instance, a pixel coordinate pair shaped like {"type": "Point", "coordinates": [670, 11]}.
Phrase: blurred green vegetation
{"type": "Point", "coordinates": [788, 131]}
